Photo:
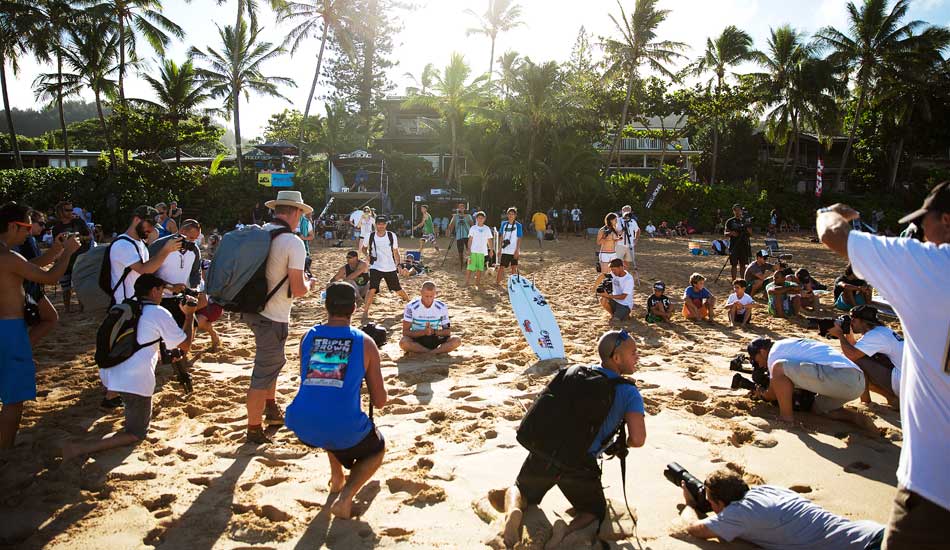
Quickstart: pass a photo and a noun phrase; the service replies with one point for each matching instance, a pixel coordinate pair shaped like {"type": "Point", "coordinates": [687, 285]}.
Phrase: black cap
{"type": "Point", "coordinates": [659, 285]}
{"type": "Point", "coordinates": [865, 313]}
{"type": "Point", "coordinates": [145, 283]}
{"type": "Point", "coordinates": [145, 212]}
{"type": "Point", "coordinates": [736, 205]}
{"type": "Point", "coordinates": [938, 200]}
{"type": "Point", "coordinates": [756, 345]}
{"type": "Point", "coordinates": [762, 254]}
{"type": "Point", "coordinates": [381, 219]}
{"type": "Point", "coordinates": [341, 294]}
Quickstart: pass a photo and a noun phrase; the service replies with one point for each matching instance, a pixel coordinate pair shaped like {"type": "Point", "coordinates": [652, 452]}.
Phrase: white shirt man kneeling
{"type": "Point", "coordinates": [879, 352]}
{"type": "Point", "coordinates": [425, 324]}
{"type": "Point", "coordinates": [619, 302]}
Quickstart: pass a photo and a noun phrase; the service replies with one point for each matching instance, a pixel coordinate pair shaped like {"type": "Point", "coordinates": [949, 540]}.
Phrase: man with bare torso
{"type": "Point", "coordinates": [17, 370]}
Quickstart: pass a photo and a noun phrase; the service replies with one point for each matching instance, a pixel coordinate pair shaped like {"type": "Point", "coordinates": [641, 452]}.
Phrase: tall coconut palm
{"type": "Point", "coordinates": [732, 47]}
{"type": "Point", "coordinates": [179, 94]}
{"type": "Point", "coordinates": [453, 96]}
{"type": "Point", "coordinates": [20, 26]}
{"type": "Point", "coordinates": [57, 15]}
{"type": "Point", "coordinates": [501, 16]}
{"type": "Point", "coordinates": [874, 35]}
{"type": "Point", "coordinates": [509, 63]}
{"type": "Point", "coordinates": [638, 48]}
{"type": "Point", "coordinates": [91, 55]}
{"type": "Point", "coordinates": [487, 156]}
{"type": "Point", "coordinates": [317, 18]}
{"type": "Point", "coordinates": [570, 166]}
{"type": "Point", "coordinates": [237, 69]}
{"type": "Point", "coordinates": [534, 108]}
{"type": "Point", "coordinates": [424, 82]}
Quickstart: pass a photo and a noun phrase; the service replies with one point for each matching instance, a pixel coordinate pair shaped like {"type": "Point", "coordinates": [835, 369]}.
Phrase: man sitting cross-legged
{"type": "Point", "coordinates": [335, 358]}
{"type": "Point", "coordinates": [425, 324]}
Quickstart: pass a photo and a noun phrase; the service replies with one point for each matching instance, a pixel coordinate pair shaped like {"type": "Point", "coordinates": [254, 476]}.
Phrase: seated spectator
{"type": "Point", "coordinates": [425, 324]}
{"type": "Point", "coordinates": [355, 272]}
{"type": "Point", "coordinates": [410, 267]}
{"type": "Point", "coordinates": [808, 287]}
{"type": "Point", "coordinates": [851, 291]}
{"type": "Point", "coordinates": [757, 274]}
{"type": "Point", "coordinates": [773, 517]}
{"type": "Point", "coordinates": [658, 305]}
{"type": "Point", "coordinates": [698, 302]}
{"type": "Point", "coordinates": [784, 296]}
{"type": "Point", "coordinates": [879, 352]}
{"type": "Point", "coordinates": [809, 365]}
{"type": "Point", "coordinates": [619, 302]}
{"type": "Point", "coordinates": [739, 304]}
{"type": "Point", "coordinates": [664, 229]}
{"type": "Point", "coordinates": [650, 229]}
{"type": "Point", "coordinates": [335, 358]}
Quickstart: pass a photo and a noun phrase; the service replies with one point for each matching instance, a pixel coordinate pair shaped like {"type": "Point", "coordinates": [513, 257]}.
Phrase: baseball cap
{"type": "Point", "coordinates": [762, 254]}
{"type": "Point", "coordinates": [938, 199]}
{"type": "Point", "coordinates": [659, 285]}
{"type": "Point", "coordinates": [381, 219]}
{"type": "Point", "coordinates": [865, 313]}
{"type": "Point", "coordinates": [145, 283]}
{"type": "Point", "coordinates": [340, 293]}
{"type": "Point", "coordinates": [736, 205]}
{"type": "Point", "coordinates": [145, 212]}
{"type": "Point", "coordinates": [757, 345]}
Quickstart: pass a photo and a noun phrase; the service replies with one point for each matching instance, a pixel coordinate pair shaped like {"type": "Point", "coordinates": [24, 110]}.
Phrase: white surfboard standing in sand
{"type": "Point", "coordinates": [535, 318]}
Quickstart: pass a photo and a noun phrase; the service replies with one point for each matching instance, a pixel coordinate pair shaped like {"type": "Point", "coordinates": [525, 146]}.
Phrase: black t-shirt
{"type": "Point", "coordinates": [738, 245]}
{"type": "Point", "coordinates": [654, 299]}
{"type": "Point", "coordinates": [74, 225]}
{"type": "Point", "coordinates": [361, 280]}
{"type": "Point", "coordinates": [848, 281]}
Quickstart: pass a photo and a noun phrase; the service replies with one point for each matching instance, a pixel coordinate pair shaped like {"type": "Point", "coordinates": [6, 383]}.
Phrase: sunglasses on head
{"type": "Point", "coordinates": [622, 337]}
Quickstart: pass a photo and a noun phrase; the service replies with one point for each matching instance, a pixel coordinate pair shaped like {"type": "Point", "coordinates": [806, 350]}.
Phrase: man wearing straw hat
{"type": "Point", "coordinates": [285, 266]}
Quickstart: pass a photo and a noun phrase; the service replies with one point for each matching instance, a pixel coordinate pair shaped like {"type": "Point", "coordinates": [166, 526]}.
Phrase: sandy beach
{"type": "Point", "coordinates": [449, 425]}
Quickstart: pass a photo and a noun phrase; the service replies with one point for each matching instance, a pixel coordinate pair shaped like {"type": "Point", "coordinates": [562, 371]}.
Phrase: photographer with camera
{"type": "Point", "coordinates": [67, 222]}
{"type": "Point", "coordinates": [879, 351]}
{"type": "Point", "coordinates": [630, 234]}
{"type": "Point", "coordinates": [129, 257]}
{"type": "Point", "coordinates": [580, 400]}
{"type": "Point", "coordinates": [773, 517]}
{"type": "Point", "coordinates": [425, 324]}
{"type": "Point", "coordinates": [382, 246]}
{"type": "Point", "coordinates": [335, 359]}
{"type": "Point", "coordinates": [511, 234]}
{"type": "Point", "coordinates": [459, 225]}
{"type": "Point", "coordinates": [616, 292]}
{"type": "Point", "coordinates": [134, 379]}
{"type": "Point", "coordinates": [807, 364]}
{"type": "Point", "coordinates": [739, 229]}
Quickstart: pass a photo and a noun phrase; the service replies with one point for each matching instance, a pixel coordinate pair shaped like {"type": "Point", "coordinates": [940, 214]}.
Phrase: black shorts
{"type": "Point", "coordinates": [582, 489]}
{"type": "Point", "coordinates": [739, 257]}
{"type": "Point", "coordinates": [508, 260]}
{"type": "Point", "coordinates": [432, 341]}
{"type": "Point", "coordinates": [391, 278]}
{"type": "Point", "coordinates": [461, 244]}
{"type": "Point", "coordinates": [370, 445]}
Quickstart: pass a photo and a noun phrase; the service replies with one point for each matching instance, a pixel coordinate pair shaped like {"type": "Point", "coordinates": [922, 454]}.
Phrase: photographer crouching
{"type": "Point", "coordinates": [878, 352]}
{"type": "Point", "coordinates": [772, 517]}
{"type": "Point", "coordinates": [616, 292]}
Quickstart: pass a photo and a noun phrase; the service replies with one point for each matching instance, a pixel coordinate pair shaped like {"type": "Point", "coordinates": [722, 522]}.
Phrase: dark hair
{"type": "Point", "coordinates": [616, 262]}
{"type": "Point", "coordinates": [726, 486]}
{"type": "Point", "coordinates": [512, 209]}
{"type": "Point", "coordinates": [740, 282]}
{"type": "Point", "coordinates": [340, 310]}
{"type": "Point", "coordinates": [190, 223]}
{"type": "Point", "coordinates": [607, 218]}
{"type": "Point", "coordinates": [145, 283]}
{"type": "Point", "coordinates": [352, 254]}
{"type": "Point", "coordinates": [12, 212]}
{"type": "Point", "coordinates": [340, 299]}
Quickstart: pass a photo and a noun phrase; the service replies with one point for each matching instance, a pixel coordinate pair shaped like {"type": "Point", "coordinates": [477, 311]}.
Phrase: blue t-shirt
{"type": "Point", "coordinates": [326, 412]}
{"type": "Point", "coordinates": [696, 297]}
{"type": "Point", "coordinates": [627, 399]}
{"type": "Point", "coordinates": [775, 517]}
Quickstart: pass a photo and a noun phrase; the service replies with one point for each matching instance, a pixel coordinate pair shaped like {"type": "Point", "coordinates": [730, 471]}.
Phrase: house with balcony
{"type": "Point", "coordinates": [50, 158]}
{"type": "Point", "coordinates": [415, 131]}
{"type": "Point", "coordinates": [645, 155]}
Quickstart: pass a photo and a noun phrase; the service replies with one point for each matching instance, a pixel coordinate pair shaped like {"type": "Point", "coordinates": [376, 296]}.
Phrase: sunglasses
{"type": "Point", "coordinates": [24, 225]}
{"type": "Point", "coordinates": [622, 337]}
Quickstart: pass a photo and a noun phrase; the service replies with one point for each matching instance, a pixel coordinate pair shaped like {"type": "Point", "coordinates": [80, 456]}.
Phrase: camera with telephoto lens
{"type": "Point", "coordinates": [824, 325]}
{"type": "Point", "coordinates": [189, 297]}
{"type": "Point", "coordinates": [677, 475]}
{"type": "Point", "coordinates": [378, 333]}
{"type": "Point", "coordinates": [802, 400]}
{"type": "Point", "coordinates": [607, 285]}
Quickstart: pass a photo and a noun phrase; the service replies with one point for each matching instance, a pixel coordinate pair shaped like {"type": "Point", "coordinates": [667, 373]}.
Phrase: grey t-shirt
{"type": "Point", "coordinates": [775, 517]}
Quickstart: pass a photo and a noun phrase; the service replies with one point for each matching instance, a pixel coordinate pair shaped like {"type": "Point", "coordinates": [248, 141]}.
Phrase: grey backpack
{"type": "Point", "coordinates": [237, 278]}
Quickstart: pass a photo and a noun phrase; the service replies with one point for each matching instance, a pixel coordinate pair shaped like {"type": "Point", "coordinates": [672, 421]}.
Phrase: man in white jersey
{"type": "Point", "coordinates": [128, 254]}
{"type": "Point", "coordinates": [912, 275]}
{"type": "Point", "coordinates": [425, 324]}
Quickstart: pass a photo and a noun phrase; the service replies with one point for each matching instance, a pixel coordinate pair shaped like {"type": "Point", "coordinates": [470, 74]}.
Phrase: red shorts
{"type": "Point", "coordinates": [212, 312]}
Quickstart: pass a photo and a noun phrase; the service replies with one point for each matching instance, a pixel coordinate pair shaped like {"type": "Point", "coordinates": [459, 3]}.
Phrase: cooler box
{"type": "Point", "coordinates": [414, 254]}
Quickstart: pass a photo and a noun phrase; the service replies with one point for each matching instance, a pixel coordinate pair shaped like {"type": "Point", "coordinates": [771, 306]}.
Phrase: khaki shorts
{"type": "Point", "coordinates": [837, 385]}
{"type": "Point", "coordinates": [627, 254]}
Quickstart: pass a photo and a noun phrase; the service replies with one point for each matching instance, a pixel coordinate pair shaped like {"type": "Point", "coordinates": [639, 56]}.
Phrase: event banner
{"type": "Point", "coordinates": [276, 179]}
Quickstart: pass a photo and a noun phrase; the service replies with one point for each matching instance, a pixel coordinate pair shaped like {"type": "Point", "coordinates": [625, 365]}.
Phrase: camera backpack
{"type": "Point", "coordinates": [563, 422]}
{"type": "Point", "coordinates": [117, 336]}
{"type": "Point", "coordinates": [371, 245]}
{"type": "Point", "coordinates": [237, 278]}
{"type": "Point", "coordinates": [92, 277]}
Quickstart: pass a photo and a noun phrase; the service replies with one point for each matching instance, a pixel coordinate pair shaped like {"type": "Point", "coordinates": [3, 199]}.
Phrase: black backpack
{"type": "Point", "coordinates": [105, 270]}
{"type": "Point", "coordinates": [117, 337]}
{"type": "Point", "coordinates": [562, 424]}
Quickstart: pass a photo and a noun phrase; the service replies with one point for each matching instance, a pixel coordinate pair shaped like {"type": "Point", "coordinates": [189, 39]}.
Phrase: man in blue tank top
{"type": "Point", "coordinates": [326, 413]}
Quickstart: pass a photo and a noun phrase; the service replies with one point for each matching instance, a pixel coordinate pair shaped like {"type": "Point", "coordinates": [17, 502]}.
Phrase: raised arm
{"type": "Point", "coordinates": [834, 226]}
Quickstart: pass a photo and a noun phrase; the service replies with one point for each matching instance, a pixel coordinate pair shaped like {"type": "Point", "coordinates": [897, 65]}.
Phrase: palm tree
{"type": "Point", "coordinates": [91, 54]}
{"type": "Point", "coordinates": [179, 94]}
{"type": "Point", "coordinates": [571, 165]}
{"type": "Point", "coordinates": [487, 156]}
{"type": "Point", "coordinates": [236, 70]}
{"type": "Point", "coordinates": [320, 17]}
{"type": "Point", "coordinates": [453, 96]}
{"type": "Point", "coordinates": [337, 132]}
{"type": "Point", "coordinates": [731, 47]}
{"type": "Point", "coordinates": [873, 36]}
{"type": "Point", "coordinates": [20, 27]}
{"type": "Point", "coordinates": [509, 63]}
{"type": "Point", "coordinates": [53, 89]}
{"type": "Point", "coordinates": [501, 16]}
{"type": "Point", "coordinates": [56, 14]}
{"type": "Point", "coordinates": [638, 47]}
{"type": "Point", "coordinates": [538, 90]}
{"type": "Point", "coordinates": [424, 82]}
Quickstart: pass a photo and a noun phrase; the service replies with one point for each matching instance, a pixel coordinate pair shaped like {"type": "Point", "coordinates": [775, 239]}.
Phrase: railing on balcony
{"type": "Point", "coordinates": [646, 144]}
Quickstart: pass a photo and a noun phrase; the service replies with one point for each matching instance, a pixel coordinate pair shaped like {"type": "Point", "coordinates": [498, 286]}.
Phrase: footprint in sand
{"type": "Point", "coordinates": [857, 467]}
{"type": "Point", "coordinates": [395, 532]}
{"type": "Point", "coordinates": [692, 395]}
{"type": "Point", "coordinates": [185, 455]}
{"type": "Point", "coordinates": [801, 489]}
{"type": "Point", "coordinates": [420, 492]}
{"type": "Point", "coordinates": [204, 481]}
{"type": "Point", "coordinates": [459, 394]}
{"type": "Point", "coordinates": [162, 501]}
{"type": "Point", "coordinates": [273, 481]}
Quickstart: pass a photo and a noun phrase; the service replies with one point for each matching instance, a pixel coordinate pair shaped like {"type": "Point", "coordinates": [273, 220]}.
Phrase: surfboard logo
{"type": "Point", "coordinates": [527, 326]}
{"type": "Point", "coordinates": [540, 300]}
{"type": "Point", "coordinates": [545, 340]}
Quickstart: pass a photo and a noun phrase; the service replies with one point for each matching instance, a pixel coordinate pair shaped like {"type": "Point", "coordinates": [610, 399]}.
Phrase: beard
{"type": "Point", "coordinates": [141, 231]}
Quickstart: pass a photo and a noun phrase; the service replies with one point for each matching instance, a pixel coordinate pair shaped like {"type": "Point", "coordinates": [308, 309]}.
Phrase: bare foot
{"type": "Point", "coordinates": [558, 532]}
{"type": "Point", "coordinates": [342, 508]}
{"type": "Point", "coordinates": [513, 527]}
{"type": "Point", "coordinates": [336, 484]}
{"type": "Point", "coordinates": [70, 451]}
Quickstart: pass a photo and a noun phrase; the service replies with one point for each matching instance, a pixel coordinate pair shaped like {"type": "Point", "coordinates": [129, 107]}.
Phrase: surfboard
{"type": "Point", "coordinates": [535, 318]}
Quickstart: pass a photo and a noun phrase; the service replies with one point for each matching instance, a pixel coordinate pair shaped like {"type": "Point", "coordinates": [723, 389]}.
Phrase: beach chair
{"type": "Point", "coordinates": [699, 248]}
{"type": "Point", "coordinates": [776, 250]}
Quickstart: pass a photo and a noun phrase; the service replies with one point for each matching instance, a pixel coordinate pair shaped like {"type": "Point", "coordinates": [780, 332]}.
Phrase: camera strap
{"type": "Point", "coordinates": [622, 437]}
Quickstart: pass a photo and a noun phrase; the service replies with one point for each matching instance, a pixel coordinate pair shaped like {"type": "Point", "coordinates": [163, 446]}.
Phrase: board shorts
{"type": "Point", "coordinates": [879, 371]}
{"type": "Point", "coordinates": [703, 311]}
{"type": "Point", "coordinates": [428, 238]}
{"type": "Point", "coordinates": [606, 257]}
{"type": "Point", "coordinates": [269, 339]}
{"type": "Point", "coordinates": [786, 306]}
{"type": "Point", "coordinates": [138, 413]}
{"type": "Point", "coordinates": [916, 522]}
{"type": "Point", "coordinates": [540, 235]}
{"type": "Point", "coordinates": [17, 370]}
{"type": "Point", "coordinates": [740, 256]}
{"type": "Point", "coordinates": [391, 277]}
{"type": "Point", "coordinates": [508, 260]}
{"type": "Point", "coordinates": [838, 384]}
{"type": "Point", "coordinates": [212, 312]}
{"type": "Point", "coordinates": [627, 254]}
{"type": "Point", "coordinates": [842, 305]}
{"type": "Point", "coordinates": [581, 488]}
{"type": "Point", "coordinates": [620, 312]}
{"type": "Point", "coordinates": [476, 262]}
{"type": "Point", "coordinates": [654, 318]}
{"type": "Point", "coordinates": [369, 446]}
{"type": "Point", "coordinates": [431, 341]}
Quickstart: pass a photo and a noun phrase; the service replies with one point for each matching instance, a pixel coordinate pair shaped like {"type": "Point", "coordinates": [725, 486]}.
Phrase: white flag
{"type": "Point", "coordinates": [818, 175]}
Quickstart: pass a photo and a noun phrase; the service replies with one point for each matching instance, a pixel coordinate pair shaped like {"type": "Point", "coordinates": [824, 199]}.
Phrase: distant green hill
{"type": "Point", "coordinates": [33, 123]}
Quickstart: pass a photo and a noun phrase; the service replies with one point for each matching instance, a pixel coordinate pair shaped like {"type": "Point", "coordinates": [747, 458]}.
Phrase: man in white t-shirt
{"type": "Point", "coordinates": [809, 365]}
{"type": "Point", "coordinates": [128, 254]}
{"type": "Point", "coordinates": [619, 303]}
{"type": "Point", "coordinates": [134, 378]}
{"type": "Point", "coordinates": [383, 250]}
{"type": "Point", "coordinates": [286, 280]}
{"type": "Point", "coordinates": [366, 226]}
{"type": "Point", "coordinates": [511, 232]}
{"type": "Point", "coordinates": [630, 232]}
{"type": "Point", "coordinates": [576, 216]}
{"type": "Point", "coordinates": [912, 276]}
{"type": "Point", "coordinates": [740, 304]}
{"type": "Point", "coordinates": [479, 239]}
{"type": "Point", "coordinates": [355, 217]}
{"type": "Point", "coordinates": [425, 324]}
{"type": "Point", "coordinates": [879, 352]}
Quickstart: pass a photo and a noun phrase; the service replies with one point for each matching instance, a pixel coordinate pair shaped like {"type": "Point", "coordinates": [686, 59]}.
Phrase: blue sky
{"type": "Point", "coordinates": [437, 28]}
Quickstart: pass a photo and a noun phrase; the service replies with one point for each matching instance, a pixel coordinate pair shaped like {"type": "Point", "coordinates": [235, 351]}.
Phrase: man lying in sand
{"type": "Point", "coordinates": [326, 412]}
{"type": "Point", "coordinates": [618, 356]}
{"type": "Point", "coordinates": [698, 302]}
{"type": "Point", "coordinates": [776, 517]}
{"type": "Point", "coordinates": [425, 324]}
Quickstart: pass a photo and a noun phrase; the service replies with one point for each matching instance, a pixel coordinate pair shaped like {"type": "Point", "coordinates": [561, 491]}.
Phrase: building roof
{"type": "Point", "coordinates": [55, 153]}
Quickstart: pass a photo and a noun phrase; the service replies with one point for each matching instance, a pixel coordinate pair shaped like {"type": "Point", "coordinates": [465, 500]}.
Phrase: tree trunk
{"type": "Point", "coordinates": [623, 121]}
{"type": "Point", "coordinates": [854, 128]}
{"type": "Point", "coordinates": [59, 101]}
{"type": "Point", "coordinates": [122, 119]}
{"type": "Point", "coordinates": [313, 90]}
{"type": "Point", "coordinates": [237, 130]}
{"type": "Point", "coordinates": [105, 130]}
{"type": "Point", "coordinates": [366, 86]}
{"type": "Point", "coordinates": [529, 177]}
{"type": "Point", "coordinates": [18, 160]}
{"type": "Point", "coordinates": [895, 165]}
{"type": "Point", "coordinates": [491, 63]}
{"type": "Point", "coordinates": [788, 153]}
{"type": "Point", "coordinates": [177, 143]}
{"type": "Point", "coordinates": [715, 156]}
{"type": "Point", "coordinates": [451, 178]}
